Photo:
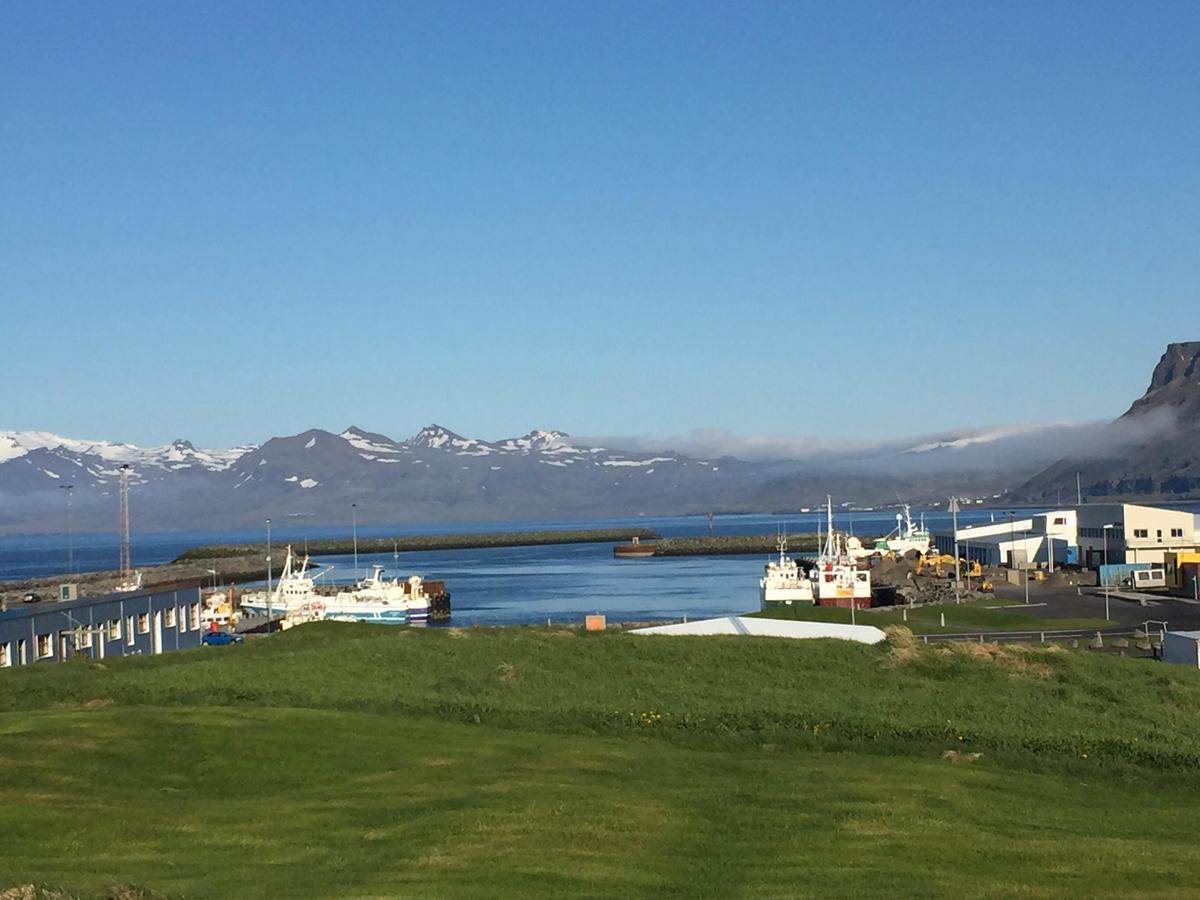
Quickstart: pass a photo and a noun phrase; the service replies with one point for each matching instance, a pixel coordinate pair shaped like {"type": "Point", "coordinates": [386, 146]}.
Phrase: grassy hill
{"type": "Point", "coordinates": [349, 761]}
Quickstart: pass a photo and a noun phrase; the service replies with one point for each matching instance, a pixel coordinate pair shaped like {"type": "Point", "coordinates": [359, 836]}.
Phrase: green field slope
{"type": "Point", "coordinates": [350, 761]}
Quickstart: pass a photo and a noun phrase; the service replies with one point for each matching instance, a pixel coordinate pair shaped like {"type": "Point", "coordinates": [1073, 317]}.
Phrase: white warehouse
{"type": "Point", "coordinates": [1010, 541]}
{"type": "Point", "coordinates": [1131, 533]}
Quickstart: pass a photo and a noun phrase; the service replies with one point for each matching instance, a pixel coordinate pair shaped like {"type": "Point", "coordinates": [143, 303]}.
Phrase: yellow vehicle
{"type": "Point", "coordinates": [934, 561]}
{"type": "Point", "coordinates": [943, 566]}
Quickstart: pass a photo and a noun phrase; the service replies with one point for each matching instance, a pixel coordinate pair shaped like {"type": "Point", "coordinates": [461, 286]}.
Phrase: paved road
{"type": "Point", "coordinates": [1125, 611]}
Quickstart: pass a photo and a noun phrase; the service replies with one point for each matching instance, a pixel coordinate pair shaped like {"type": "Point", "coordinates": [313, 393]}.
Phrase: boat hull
{"type": "Point", "coordinates": [770, 598]}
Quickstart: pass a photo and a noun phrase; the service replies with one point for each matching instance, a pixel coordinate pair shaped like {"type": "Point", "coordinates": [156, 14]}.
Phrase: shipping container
{"type": "Point", "coordinates": [1182, 647]}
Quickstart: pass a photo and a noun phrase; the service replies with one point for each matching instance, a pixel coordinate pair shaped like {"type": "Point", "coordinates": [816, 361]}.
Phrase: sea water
{"type": "Point", "coordinates": [511, 585]}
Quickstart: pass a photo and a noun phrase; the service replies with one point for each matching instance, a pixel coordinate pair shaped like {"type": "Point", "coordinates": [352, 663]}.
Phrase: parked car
{"type": "Point", "coordinates": [220, 638]}
{"type": "Point", "coordinates": [31, 597]}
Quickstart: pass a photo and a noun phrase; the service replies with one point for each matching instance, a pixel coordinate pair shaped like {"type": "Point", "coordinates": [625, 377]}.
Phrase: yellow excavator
{"type": "Point", "coordinates": [934, 561]}
{"type": "Point", "coordinates": [942, 565]}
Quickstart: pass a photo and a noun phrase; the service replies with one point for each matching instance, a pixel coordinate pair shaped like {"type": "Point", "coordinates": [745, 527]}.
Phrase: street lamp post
{"type": "Point", "coordinates": [1105, 531]}
{"type": "Point", "coordinates": [1025, 541]}
{"type": "Point", "coordinates": [69, 488]}
{"type": "Point", "coordinates": [954, 525]}
{"type": "Point", "coordinates": [268, 575]}
{"type": "Point", "coordinates": [354, 525]}
{"type": "Point", "coordinates": [1011, 540]}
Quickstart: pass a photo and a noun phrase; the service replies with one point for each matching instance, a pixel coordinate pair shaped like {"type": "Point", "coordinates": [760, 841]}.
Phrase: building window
{"type": "Point", "coordinates": [170, 616]}
{"type": "Point", "coordinates": [22, 657]}
{"type": "Point", "coordinates": [183, 618]}
{"type": "Point", "coordinates": [82, 638]}
{"type": "Point", "coordinates": [114, 629]}
{"type": "Point", "coordinates": [45, 649]}
{"type": "Point", "coordinates": [195, 617]}
{"type": "Point", "coordinates": [143, 623]}
{"type": "Point", "coordinates": [130, 636]}
{"type": "Point", "coordinates": [5, 656]}
{"type": "Point", "coordinates": [1176, 532]}
{"type": "Point", "coordinates": [1060, 520]}
{"type": "Point", "coordinates": [1141, 533]}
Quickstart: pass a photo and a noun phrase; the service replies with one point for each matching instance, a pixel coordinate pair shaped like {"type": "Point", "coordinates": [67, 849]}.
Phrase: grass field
{"type": "Point", "coordinates": [974, 615]}
{"type": "Point", "coordinates": [349, 761]}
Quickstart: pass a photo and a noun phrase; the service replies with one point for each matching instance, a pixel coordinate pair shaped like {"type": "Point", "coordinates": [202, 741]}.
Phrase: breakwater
{"type": "Point", "coordinates": [484, 540]}
{"type": "Point", "coordinates": [717, 545]}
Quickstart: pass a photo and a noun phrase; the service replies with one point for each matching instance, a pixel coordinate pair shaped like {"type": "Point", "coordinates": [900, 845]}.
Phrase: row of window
{"type": "Point", "coordinates": [1145, 533]}
{"type": "Point", "coordinates": [184, 617]}
{"type": "Point", "coordinates": [1117, 533]}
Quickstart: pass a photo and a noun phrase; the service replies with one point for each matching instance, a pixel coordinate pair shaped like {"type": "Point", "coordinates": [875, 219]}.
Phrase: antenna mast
{"type": "Point", "coordinates": [126, 562]}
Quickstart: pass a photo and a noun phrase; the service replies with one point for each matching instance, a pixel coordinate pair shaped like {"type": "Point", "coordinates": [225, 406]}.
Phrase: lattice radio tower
{"type": "Point", "coordinates": [126, 561]}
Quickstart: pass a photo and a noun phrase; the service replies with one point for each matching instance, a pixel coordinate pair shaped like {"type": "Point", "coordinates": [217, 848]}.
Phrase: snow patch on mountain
{"type": "Point", "coordinates": [15, 444]}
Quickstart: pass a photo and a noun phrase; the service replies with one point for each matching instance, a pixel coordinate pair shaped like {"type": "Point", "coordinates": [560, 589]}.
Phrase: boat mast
{"type": "Point", "coordinates": [829, 542]}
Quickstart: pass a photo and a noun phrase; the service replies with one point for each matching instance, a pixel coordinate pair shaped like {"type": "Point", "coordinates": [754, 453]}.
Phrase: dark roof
{"type": "Point", "coordinates": [23, 610]}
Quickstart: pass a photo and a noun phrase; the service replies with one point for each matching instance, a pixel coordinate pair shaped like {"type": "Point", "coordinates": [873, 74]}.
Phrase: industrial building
{"type": "Point", "coordinates": [1009, 541]}
{"type": "Point", "coordinates": [123, 624]}
{"type": "Point", "coordinates": [1111, 533]}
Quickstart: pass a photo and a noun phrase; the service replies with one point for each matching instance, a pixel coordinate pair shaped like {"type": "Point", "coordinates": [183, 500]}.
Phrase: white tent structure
{"type": "Point", "coordinates": [754, 627]}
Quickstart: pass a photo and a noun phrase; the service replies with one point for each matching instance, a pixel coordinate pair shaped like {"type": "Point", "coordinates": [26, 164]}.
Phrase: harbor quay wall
{"type": "Point", "coordinates": [413, 543]}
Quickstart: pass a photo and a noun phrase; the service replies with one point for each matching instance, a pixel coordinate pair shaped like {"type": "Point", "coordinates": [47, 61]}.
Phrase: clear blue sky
{"type": "Point", "coordinates": [228, 221]}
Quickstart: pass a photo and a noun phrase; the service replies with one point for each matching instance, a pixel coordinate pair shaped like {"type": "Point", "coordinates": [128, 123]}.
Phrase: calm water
{"type": "Point", "coordinates": [508, 585]}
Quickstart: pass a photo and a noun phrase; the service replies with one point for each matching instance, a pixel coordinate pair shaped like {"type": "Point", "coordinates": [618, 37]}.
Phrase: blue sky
{"type": "Point", "coordinates": [228, 221]}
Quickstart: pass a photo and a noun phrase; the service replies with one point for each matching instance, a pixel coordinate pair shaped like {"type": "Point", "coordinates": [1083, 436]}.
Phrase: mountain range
{"type": "Point", "coordinates": [438, 475]}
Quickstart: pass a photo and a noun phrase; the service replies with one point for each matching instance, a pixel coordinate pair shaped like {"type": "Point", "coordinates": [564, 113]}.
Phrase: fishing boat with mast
{"type": "Point", "coordinates": [902, 539]}
{"type": "Point", "coordinates": [836, 578]}
{"type": "Point", "coordinates": [784, 582]}
{"type": "Point", "coordinates": [295, 590]}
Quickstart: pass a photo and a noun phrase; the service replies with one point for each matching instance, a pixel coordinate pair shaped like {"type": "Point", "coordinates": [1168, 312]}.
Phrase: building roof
{"type": "Point", "coordinates": [25, 610]}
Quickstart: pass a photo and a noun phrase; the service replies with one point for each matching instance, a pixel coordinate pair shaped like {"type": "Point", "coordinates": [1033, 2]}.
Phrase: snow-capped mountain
{"type": "Point", "coordinates": [436, 475]}
{"type": "Point", "coordinates": [177, 455]}
{"type": "Point", "coordinates": [316, 475]}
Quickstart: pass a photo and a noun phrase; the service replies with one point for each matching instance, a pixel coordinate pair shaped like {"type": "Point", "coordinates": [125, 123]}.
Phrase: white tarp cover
{"type": "Point", "coordinates": [754, 627]}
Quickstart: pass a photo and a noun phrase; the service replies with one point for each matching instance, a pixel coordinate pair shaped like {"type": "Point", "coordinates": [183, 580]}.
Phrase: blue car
{"type": "Point", "coordinates": [220, 638]}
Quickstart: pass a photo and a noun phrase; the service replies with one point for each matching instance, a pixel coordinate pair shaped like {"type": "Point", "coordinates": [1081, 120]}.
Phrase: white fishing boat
{"type": "Point", "coordinates": [294, 591]}
{"type": "Point", "coordinates": [900, 540]}
{"type": "Point", "coordinates": [783, 582]}
{"type": "Point", "coordinates": [836, 578]}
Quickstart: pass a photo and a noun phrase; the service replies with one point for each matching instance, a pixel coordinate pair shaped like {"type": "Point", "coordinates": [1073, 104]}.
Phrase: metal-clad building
{"type": "Point", "coordinates": [127, 624]}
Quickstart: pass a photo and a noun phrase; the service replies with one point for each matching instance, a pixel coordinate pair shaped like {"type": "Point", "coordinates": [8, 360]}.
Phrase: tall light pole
{"type": "Point", "coordinates": [354, 525]}
{"type": "Point", "coordinates": [1105, 530]}
{"type": "Point", "coordinates": [268, 575]}
{"type": "Point", "coordinates": [1025, 541]}
{"type": "Point", "coordinates": [69, 488]}
{"type": "Point", "coordinates": [954, 526]}
{"type": "Point", "coordinates": [1011, 541]}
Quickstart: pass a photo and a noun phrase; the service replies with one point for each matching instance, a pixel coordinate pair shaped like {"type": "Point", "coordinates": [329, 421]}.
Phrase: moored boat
{"type": "Point", "coordinates": [783, 582]}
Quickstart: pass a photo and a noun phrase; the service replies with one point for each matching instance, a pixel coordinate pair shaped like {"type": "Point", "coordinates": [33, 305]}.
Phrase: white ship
{"type": "Point", "coordinates": [375, 599]}
{"type": "Point", "coordinates": [294, 591]}
{"type": "Point", "coordinates": [900, 540]}
{"type": "Point", "coordinates": [837, 580]}
{"type": "Point", "coordinates": [783, 583]}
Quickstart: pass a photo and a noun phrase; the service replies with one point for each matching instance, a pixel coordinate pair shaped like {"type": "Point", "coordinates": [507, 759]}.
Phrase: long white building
{"type": "Point", "coordinates": [1010, 541]}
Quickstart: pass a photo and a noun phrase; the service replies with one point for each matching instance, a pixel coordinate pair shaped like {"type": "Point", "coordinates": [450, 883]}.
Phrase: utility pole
{"type": "Point", "coordinates": [1025, 540]}
{"type": "Point", "coordinates": [70, 541]}
{"type": "Point", "coordinates": [1105, 530]}
{"type": "Point", "coordinates": [126, 553]}
{"type": "Point", "coordinates": [954, 525]}
{"type": "Point", "coordinates": [1078, 491]}
{"type": "Point", "coordinates": [354, 519]}
{"type": "Point", "coordinates": [268, 576]}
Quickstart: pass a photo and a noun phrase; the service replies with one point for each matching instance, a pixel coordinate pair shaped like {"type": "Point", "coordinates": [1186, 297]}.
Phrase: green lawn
{"type": "Point", "coordinates": [972, 615]}
{"type": "Point", "coordinates": [352, 761]}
